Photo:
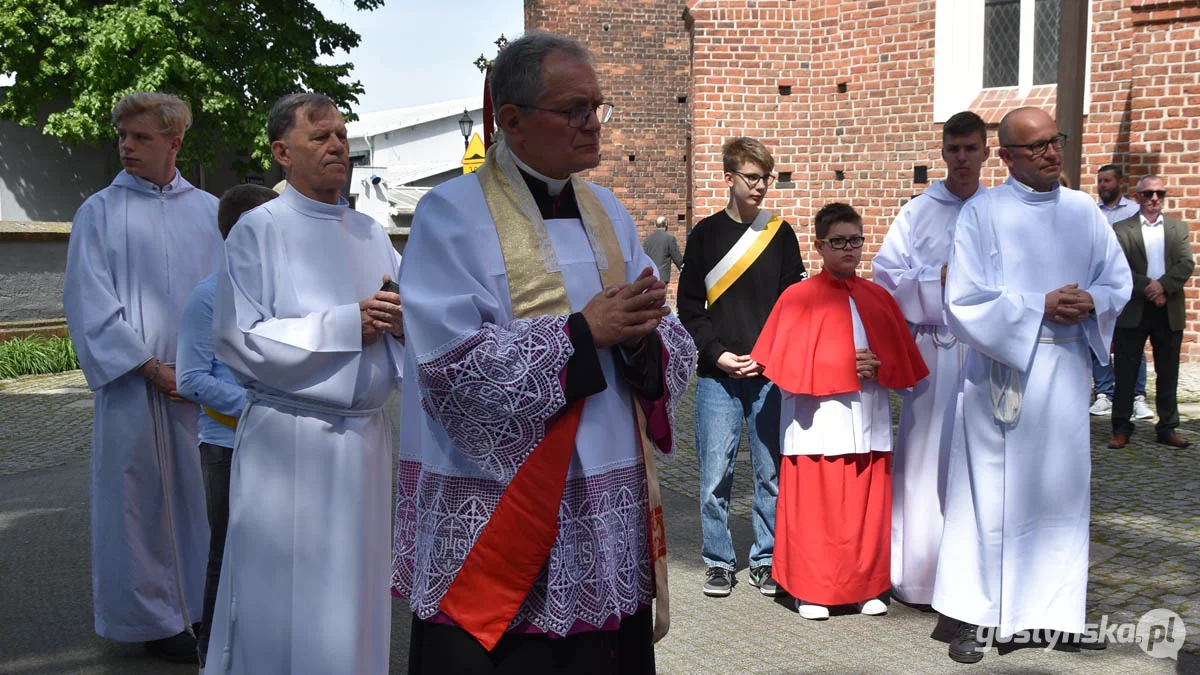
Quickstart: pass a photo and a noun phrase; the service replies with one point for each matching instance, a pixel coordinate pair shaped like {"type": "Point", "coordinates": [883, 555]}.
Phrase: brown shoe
{"type": "Point", "coordinates": [1118, 441]}
{"type": "Point", "coordinates": [1174, 440]}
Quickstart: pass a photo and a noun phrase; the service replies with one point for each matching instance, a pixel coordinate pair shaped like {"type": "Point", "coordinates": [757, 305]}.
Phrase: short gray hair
{"type": "Point", "coordinates": [517, 71]}
{"type": "Point", "coordinates": [1148, 178]}
{"type": "Point", "coordinates": [283, 114]}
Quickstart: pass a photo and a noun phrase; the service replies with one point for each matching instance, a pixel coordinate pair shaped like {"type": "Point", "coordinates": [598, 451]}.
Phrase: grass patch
{"type": "Point", "coordinates": [36, 356]}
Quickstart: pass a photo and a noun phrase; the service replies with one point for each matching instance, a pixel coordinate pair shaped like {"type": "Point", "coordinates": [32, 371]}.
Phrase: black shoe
{"type": "Point", "coordinates": [966, 646]}
{"type": "Point", "coordinates": [760, 578]}
{"type": "Point", "coordinates": [718, 582]}
{"type": "Point", "coordinates": [179, 648]}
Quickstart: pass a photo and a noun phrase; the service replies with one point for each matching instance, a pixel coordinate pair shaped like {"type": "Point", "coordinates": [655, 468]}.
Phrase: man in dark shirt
{"type": "Point", "coordinates": [662, 248]}
{"type": "Point", "coordinates": [737, 263]}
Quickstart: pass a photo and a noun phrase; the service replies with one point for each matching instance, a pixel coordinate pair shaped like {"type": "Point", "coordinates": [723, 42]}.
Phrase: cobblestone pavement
{"type": "Point", "coordinates": [1145, 555]}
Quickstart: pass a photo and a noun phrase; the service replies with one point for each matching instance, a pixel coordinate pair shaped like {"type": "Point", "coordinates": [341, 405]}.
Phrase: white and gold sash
{"type": "Point", "coordinates": [743, 254]}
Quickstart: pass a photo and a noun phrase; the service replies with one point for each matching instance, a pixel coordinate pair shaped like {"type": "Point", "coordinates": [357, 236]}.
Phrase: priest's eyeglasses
{"type": "Point", "coordinates": [577, 117]}
{"type": "Point", "coordinates": [752, 179]}
{"type": "Point", "coordinates": [1038, 148]}
{"type": "Point", "coordinates": [1150, 194]}
{"type": "Point", "coordinates": [844, 243]}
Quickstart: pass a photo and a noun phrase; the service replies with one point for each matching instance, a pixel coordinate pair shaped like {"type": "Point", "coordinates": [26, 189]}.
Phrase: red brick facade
{"type": "Point", "coordinates": [843, 94]}
{"type": "Point", "coordinates": [641, 47]}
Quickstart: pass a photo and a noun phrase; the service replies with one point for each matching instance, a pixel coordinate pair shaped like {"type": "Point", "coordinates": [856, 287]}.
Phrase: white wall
{"type": "Point", "coordinates": [370, 199]}
{"type": "Point", "coordinates": [435, 141]}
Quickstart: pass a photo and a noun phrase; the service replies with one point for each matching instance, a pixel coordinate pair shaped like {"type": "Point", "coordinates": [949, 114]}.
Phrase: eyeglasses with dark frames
{"type": "Point", "coordinates": [752, 179]}
{"type": "Point", "coordinates": [1149, 194]}
{"type": "Point", "coordinates": [844, 243]}
{"type": "Point", "coordinates": [1038, 148]}
{"type": "Point", "coordinates": [577, 117]}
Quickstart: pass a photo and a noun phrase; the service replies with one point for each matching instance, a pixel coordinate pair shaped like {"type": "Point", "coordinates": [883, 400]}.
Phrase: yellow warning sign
{"type": "Point", "coordinates": [473, 157]}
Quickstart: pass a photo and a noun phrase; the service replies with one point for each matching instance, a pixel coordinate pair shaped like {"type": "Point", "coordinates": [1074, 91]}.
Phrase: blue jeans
{"type": "Point", "coordinates": [721, 407]}
{"type": "Point", "coordinates": [1105, 380]}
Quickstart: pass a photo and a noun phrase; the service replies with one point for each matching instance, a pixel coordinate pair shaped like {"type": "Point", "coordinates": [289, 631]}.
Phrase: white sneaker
{"type": "Point", "coordinates": [1103, 406]}
{"type": "Point", "coordinates": [874, 607]}
{"type": "Point", "coordinates": [1141, 411]}
{"type": "Point", "coordinates": [812, 612]}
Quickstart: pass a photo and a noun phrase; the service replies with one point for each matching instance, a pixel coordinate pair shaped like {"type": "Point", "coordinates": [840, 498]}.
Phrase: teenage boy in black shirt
{"type": "Point", "coordinates": [737, 263]}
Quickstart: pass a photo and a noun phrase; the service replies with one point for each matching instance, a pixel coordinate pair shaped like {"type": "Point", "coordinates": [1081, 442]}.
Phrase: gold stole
{"type": "Point", "coordinates": [536, 291]}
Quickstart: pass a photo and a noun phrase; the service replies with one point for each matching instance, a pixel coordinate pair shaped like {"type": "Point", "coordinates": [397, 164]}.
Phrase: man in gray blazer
{"type": "Point", "coordinates": [1160, 257]}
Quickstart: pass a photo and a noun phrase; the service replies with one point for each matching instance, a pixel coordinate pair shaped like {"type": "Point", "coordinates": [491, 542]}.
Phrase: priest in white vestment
{"type": "Point", "coordinates": [542, 366]}
{"type": "Point", "coordinates": [137, 249]}
{"type": "Point", "coordinates": [301, 321]}
{"type": "Point", "coordinates": [1036, 280]}
{"type": "Point", "coordinates": [911, 264]}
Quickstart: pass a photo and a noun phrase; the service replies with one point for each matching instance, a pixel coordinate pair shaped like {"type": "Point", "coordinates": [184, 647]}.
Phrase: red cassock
{"type": "Point", "coordinates": [833, 518]}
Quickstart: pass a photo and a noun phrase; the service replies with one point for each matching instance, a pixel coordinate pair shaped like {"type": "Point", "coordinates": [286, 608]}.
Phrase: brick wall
{"type": "Point", "coordinates": [641, 48]}
{"type": "Point", "coordinates": [772, 69]}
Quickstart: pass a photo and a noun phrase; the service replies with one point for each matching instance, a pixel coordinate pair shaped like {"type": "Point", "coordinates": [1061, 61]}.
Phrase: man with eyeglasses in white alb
{"type": "Point", "coordinates": [736, 264]}
{"type": "Point", "coordinates": [1036, 281]}
{"type": "Point", "coordinates": [544, 366]}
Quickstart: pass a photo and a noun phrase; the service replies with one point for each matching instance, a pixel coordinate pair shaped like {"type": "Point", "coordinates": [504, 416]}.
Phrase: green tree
{"type": "Point", "coordinates": [229, 59]}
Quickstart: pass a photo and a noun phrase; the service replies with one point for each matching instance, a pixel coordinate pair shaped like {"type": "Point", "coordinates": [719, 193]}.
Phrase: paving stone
{"type": "Point", "coordinates": [1145, 553]}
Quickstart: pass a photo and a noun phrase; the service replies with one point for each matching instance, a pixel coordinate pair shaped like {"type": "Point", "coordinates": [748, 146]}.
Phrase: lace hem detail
{"type": "Point", "coordinates": [494, 390]}
{"type": "Point", "coordinates": [598, 568]}
{"type": "Point", "coordinates": [681, 361]}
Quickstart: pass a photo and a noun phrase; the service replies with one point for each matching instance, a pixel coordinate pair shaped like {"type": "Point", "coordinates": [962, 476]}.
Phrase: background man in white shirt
{"type": "Point", "coordinates": [1160, 257]}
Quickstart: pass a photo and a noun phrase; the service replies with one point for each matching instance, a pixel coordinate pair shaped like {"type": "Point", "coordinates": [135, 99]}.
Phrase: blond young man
{"type": "Point", "coordinates": [137, 249]}
{"type": "Point", "coordinates": [736, 264]}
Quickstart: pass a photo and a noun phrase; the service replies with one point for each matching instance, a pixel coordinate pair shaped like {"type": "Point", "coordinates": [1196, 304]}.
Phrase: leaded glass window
{"type": "Point", "coordinates": [1002, 43]}
{"type": "Point", "coordinates": [1046, 18]}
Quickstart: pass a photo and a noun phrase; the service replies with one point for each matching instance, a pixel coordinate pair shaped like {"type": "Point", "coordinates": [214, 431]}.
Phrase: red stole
{"type": "Point", "coordinates": [807, 344]}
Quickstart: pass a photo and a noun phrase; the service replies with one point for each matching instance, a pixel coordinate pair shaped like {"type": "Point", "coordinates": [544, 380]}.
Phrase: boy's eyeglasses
{"type": "Point", "coordinates": [752, 179]}
{"type": "Point", "coordinates": [843, 243]}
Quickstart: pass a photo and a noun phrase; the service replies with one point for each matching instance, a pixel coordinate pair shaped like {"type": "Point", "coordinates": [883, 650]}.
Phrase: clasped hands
{"type": "Point", "coordinates": [626, 314]}
{"type": "Point", "coordinates": [738, 367]}
{"type": "Point", "coordinates": [1156, 293]}
{"type": "Point", "coordinates": [381, 313]}
{"type": "Point", "coordinates": [1068, 305]}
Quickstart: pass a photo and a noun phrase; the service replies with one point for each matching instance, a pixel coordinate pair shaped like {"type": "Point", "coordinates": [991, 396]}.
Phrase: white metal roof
{"type": "Point", "coordinates": [383, 121]}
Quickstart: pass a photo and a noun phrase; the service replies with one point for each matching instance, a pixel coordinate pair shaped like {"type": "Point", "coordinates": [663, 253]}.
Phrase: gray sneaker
{"type": "Point", "coordinates": [760, 578]}
{"type": "Point", "coordinates": [718, 582]}
{"type": "Point", "coordinates": [1141, 410]}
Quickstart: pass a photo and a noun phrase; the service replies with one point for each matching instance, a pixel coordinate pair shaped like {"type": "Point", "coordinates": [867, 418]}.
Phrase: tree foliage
{"type": "Point", "coordinates": [229, 59]}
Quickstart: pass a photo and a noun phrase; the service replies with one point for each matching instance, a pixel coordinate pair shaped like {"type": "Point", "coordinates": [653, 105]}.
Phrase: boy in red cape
{"type": "Point", "coordinates": [834, 344]}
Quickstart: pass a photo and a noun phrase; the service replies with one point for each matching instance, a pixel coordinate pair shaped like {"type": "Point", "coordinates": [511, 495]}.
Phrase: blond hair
{"type": "Point", "coordinates": [173, 114]}
{"type": "Point", "coordinates": [741, 149]}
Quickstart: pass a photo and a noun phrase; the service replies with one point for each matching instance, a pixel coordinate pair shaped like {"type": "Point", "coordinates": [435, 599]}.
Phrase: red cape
{"type": "Point", "coordinates": [807, 345]}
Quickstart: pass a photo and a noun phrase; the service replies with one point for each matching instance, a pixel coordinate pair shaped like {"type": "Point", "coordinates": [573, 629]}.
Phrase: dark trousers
{"type": "Point", "coordinates": [215, 461]}
{"type": "Point", "coordinates": [1128, 346]}
{"type": "Point", "coordinates": [438, 649]}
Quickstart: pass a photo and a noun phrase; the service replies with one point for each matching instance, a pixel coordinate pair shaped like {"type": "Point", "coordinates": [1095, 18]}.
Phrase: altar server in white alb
{"type": "Point", "coordinates": [542, 370]}
{"type": "Point", "coordinates": [138, 248]}
{"type": "Point", "coordinates": [1036, 280]}
{"type": "Point", "coordinates": [301, 321]}
{"type": "Point", "coordinates": [912, 265]}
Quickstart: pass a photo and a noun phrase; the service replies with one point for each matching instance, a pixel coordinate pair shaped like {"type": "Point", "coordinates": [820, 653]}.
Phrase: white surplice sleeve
{"type": "Point", "coordinates": [982, 311]}
{"type": "Point", "coordinates": [915, 285]}
{"type": "Point", "coordinates": [108, 346]}
{"type": "Point", "coordinates": [493, 383]}
{"type": "Point", "coordinates": [315, 355]}
{"type": "Point", "coordinates": [1110, 282]}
